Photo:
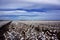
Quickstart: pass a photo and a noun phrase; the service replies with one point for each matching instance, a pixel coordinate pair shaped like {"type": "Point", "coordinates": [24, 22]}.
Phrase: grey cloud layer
{"type": "Point", "coordinates": [53, 14]}
{"type": "Point", "coordinates": [26, 3]}
{"type": "Point", "coordinates": [13, 15]}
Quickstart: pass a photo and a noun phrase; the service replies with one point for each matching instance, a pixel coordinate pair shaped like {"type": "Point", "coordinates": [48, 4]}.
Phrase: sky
{"type": "Point", "coordinates": [29, 9]}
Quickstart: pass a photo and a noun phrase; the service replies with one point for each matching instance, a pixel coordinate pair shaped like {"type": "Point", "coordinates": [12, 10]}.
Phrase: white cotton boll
{"type": "Point", "coordinates": [42, 32]}
{"type": "Point", "coordinates": [39, 36]}
{"type": "Point", "coordinates": [22, 38]}
{"type": "Point", "coordinates": [52, 37]}
{"type": "Point", "coordinates": [50, 30]}
{"type": "Point", "coordinates": [44, 36]}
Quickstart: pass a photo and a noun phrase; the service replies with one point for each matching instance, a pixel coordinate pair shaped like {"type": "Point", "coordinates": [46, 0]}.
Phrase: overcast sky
{"type": "Point", "coordinates": [30, 9]}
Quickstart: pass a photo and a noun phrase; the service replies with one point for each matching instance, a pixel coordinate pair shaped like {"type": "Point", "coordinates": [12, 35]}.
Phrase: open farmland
{"type": "Point", "coordinates": [33, 30]}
